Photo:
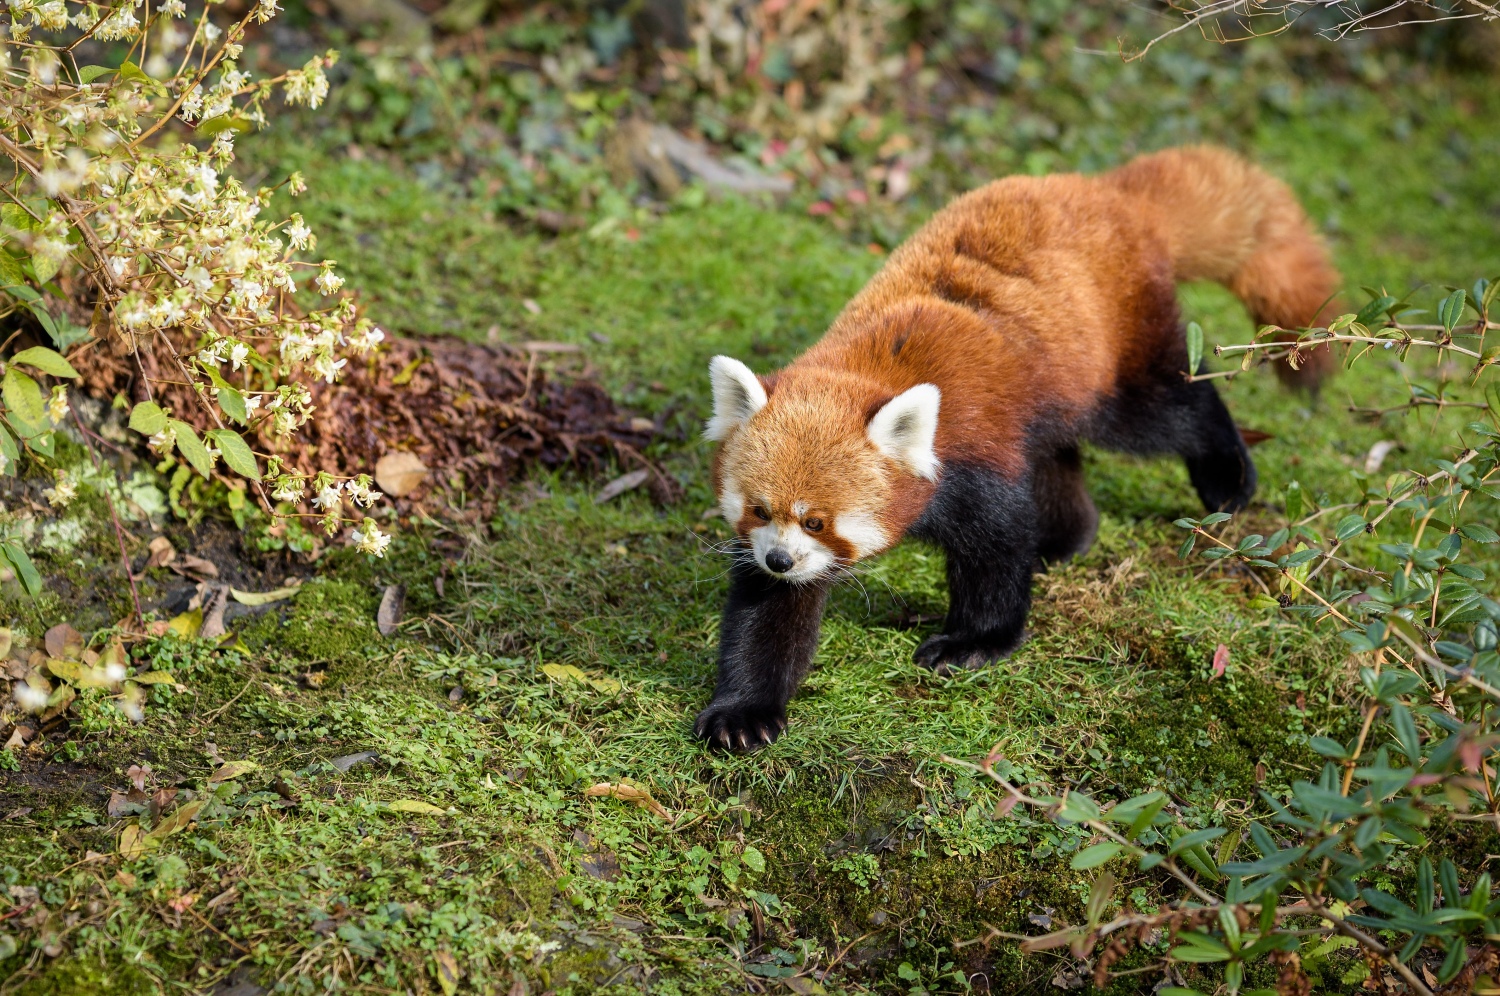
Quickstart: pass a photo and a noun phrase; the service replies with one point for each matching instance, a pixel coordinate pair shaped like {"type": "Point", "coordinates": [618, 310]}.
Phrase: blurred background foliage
{"type": "Point", "coordinates": [875, 107]}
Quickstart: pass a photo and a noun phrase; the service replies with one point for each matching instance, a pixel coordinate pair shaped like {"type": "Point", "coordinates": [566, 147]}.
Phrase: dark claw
{"type": "Point", "coordinates": [739, 728]}
{"type": "Point", "coordinates": [947, 654]}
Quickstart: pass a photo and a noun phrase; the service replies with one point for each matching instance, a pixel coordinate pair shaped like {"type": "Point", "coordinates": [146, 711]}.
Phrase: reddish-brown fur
{"type": "Point", "coordinates": [1029, 302]}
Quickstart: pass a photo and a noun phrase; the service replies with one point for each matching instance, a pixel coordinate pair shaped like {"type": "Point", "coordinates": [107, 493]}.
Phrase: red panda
{"type": "Point", "coordinates": [949, 397]}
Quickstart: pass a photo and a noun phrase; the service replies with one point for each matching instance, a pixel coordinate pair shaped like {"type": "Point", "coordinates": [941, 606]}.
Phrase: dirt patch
{"type": "Point", "coordinates": [476, 416]}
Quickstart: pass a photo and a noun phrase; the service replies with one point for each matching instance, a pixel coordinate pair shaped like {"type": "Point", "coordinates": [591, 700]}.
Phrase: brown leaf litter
{"type": "Point", "coordinates": [430, 415]}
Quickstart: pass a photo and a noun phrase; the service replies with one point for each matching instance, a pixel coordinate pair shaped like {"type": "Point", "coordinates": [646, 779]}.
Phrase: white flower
{"type": "Point", "coordinates": [57, 405]}
{"type": "Point", "coordinates": [288, 489]}
{"type": "Point", "coordinates": [63, 493]}
{"type": "Point", "coordinates": [327, 499]}
{"type": "Point", "coordinates": [369, 539]}
{"type": "Point", "coordinates": [328, 282]}
{"type": "Point", "coordinates": [28, 698]}
{"type": "Point", "coordinates": [176, 8]}
{"type": "Point", "coordinates": [252, 402]}
{"type": "Point", "coordinates": [237, 354]}
{"type": "Point", "coordinates": [359, 489]}
{"type": "Point", "coordinates": [297, 233]}
{"type": "Point", "coordinates": [266, 10]}
{"type": "Point", "coordinates": [295, 184]}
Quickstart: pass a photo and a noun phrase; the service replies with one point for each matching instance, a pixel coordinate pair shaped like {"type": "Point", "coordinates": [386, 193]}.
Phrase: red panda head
{"type": "Point", "coordinates": [806, 472]}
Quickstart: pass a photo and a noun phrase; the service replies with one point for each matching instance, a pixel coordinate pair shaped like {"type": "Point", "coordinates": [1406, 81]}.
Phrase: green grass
{"type": "Point", "coordinates": [874, 851]}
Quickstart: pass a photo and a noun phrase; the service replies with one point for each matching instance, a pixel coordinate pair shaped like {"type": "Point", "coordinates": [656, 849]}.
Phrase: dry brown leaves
{"type": "Point", "coordinates": [474, 417]}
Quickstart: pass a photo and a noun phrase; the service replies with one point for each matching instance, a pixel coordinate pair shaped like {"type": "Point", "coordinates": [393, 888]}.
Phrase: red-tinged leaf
{"type": "Point", "coordinates": [1221, 659]}
{"type": "Point", "coordinates": [1470, 752]}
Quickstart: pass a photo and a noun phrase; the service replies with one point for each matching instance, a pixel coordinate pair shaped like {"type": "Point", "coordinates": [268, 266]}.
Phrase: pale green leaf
{"type": "Point", "coordinates": [191, 447]}
{"type": "Point", "coordinates": [48, 361]}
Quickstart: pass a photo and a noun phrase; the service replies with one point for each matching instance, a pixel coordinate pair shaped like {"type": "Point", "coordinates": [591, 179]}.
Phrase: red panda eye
{"type": "Point", "coordinates": [762, 514]}
{"type": "Point", "coordinates": [813, 525]}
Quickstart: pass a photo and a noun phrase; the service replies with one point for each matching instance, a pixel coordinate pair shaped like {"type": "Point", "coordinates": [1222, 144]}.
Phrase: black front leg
{"type": "Point", "coordinates": [988, 527]}
{"type": "Point", "coordinates": [766, 643]}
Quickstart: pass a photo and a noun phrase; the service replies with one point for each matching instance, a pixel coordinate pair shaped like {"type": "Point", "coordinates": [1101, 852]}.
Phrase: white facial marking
{"type": "Point", "coordinates": [905, 428]}
{"type": "Point", "coordinates": [731, 505]}
{"type": "Point", "coordinates": [738, 395]}
{"type": "Point", "coordinates": [863, 532]}
{"type": "Point", "coordinates": [799, 509]}
{"type": "Point", "coordinates": [809, 557]}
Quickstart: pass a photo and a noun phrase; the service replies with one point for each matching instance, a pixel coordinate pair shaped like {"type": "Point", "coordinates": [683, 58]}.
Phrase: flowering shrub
{"type": "Point", "coordinates": [122, 195]}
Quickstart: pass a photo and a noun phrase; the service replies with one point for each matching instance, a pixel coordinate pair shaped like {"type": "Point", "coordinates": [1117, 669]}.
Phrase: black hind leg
{"type": "Point", "coordinates": [1188, 418]}
{"type": "Point", "coordinates": [1066, 517]}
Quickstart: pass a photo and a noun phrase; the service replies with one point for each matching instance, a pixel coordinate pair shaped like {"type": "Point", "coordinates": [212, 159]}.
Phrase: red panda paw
{"type": "Point", "coordinates": [947, 654]}
{"type": "Point", "coordinates": [739, 728]}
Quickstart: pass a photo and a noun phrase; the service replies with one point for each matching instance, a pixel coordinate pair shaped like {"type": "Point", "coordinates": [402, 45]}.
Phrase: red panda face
{"type": "Point", "coordinates": [805, 476]}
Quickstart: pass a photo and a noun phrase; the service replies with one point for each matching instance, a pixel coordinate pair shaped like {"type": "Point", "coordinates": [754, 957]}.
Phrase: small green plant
{"type": "Point", "coordinates": [861, 869]}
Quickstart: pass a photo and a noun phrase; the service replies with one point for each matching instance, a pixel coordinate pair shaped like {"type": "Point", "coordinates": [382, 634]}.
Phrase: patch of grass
{"type": "Point", "coordinates": [874, 852]}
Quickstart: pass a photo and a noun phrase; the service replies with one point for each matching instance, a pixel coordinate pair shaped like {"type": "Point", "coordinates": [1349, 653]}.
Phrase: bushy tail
{"type": "Point", "coordinates": [1229, 221]}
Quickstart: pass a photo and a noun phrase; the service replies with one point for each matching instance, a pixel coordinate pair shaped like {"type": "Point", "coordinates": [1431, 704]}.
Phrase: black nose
{"type": "Point", "coordinates": [779, 560]}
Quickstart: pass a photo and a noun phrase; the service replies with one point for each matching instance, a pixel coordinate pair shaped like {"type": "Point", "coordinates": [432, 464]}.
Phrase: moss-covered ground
{"type": "Point", "coordinates": [848, 847]}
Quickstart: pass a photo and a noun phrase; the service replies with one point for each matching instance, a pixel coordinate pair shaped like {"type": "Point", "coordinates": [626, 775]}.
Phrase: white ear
{"type": "Point", "coordinates": [738, 394]}
{"type": "Point", "coordinates": [905, 428]}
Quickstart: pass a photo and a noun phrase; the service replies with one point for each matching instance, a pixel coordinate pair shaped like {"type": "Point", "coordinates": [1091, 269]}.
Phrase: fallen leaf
{"type": "Point", "coordinates": [17, 739]}
{"type": "Point", "coordinates": [229, 895]}
{"type": "Point", "coordinates": [187, 624]}
{"type": "Point", "coordinates": [69, 671]}
{"type": "Point", "coordinates": [93, 857]}
{"type": "Point", "coordinates": [1253, 437]}
{"type": "Point", "coordinates": [803, 986]}
{"type": "Point", "coordinates": [1221, 660]}
{"type": "Point", "coordinates": [213, 613]}
{"type": "Point", "coordinates": [63, 640]}
{"type": "Point", "coordinates": [627, 793]}
{"type": "Point", "coordinates": [125, 880]}
{"type": "Point", "coordinates": [542, 346]}
{"type": "Point", "coordinates": [138, 773]}
{"type": "Point", "coordinates": [133, 842]}
{"type": "Point", "coordinates": [5, 641]}
{"type": "Point", "coordinates": [189, 564]}
{"type": "Point", "coordinates": [179, 820]}
{"type": "Point", "coordinates": [620, 485]}
{"type": "Point", "coordinates": [350, 760]}
{"type": "Point", "coordinates": [415, 806]}
{"type": "Point", "coordinates": [392, 608]}
{"type": "Point", "coordinates": [530, 305]}
{"type": "Point", "coordinates": [399, 473]}
{"type": "Point", "coordinates": [447, 971]}
{"type": "Point", "coordinates": [126, 803]}
{"type": "Point", "coordinates": [1377, 454]}
{"type": "Point", "coordinates": [264, 597]}
{"type": "Point", "coordinates": [162, 553]}
{"type": "Point", "coordinates": [153, 678]}
{"type": "Point", "coordinates": [234, 769]}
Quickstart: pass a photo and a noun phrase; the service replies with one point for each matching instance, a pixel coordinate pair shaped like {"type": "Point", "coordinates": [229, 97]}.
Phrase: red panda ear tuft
{"type": "Point", "coordinates": [738, 395]}
{"type": "Point", "coordinates": [905, 429]}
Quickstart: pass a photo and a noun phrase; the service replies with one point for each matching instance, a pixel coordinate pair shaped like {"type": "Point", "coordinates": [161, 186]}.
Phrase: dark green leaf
{"type": "Point", "coordinates": [1195, 838]}
{"type": "Point", "coordinates": [1328, 747]}
{"type": "Point", "coordinates": [87, 74]}
{"type": "Point", "coordinates": [1451, 310]}
{"type": "Point", "coordinates": [1479, 532]}
{"type": "Point", "coordinates": [1093, 857]}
